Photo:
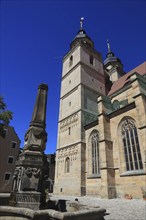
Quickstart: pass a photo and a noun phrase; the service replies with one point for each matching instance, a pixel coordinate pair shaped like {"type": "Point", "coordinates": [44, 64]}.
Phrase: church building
{"type": "Point", "coordinates": [101, 148]}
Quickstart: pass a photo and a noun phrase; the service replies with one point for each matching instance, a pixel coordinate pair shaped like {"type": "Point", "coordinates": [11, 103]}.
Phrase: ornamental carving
{"type": "Point", "coordinates": [32, 171]}
{"type": "Point", "coordinates": [69, 121]}
{"type": "Point", "coordinates": [17, 178]}
{"type": "Point", "coordinates": [28, 198]}
{"type": "Point", "coordinates": [17, 172]}
{"type": "Point", "coordinates": [35, 139]}
{"type": "Point", "coordinates": [128, 124]}
{"type": "Point", "coordinates": [70, 152]}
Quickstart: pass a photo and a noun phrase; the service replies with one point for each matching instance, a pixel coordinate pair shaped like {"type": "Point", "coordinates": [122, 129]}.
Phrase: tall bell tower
{"type": "Point", "coordinates": [82, 81]}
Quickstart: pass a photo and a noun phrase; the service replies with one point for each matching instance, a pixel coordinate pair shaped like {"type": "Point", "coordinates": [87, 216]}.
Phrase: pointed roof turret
{"type": "Point", "coordinates": [82, 37]}
{"type": "Point", "coordinates": [110, 56]}
{"type": "Point", "coordinates": [113, 65]}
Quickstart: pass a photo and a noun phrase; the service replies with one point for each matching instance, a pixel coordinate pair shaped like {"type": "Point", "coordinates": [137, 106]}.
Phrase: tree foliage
{"type": "Point", "coordinates": [5, 116]}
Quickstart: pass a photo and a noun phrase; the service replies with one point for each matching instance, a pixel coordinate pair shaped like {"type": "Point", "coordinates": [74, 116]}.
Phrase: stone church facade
{"type": "Point", "coordinates": [101, 146]}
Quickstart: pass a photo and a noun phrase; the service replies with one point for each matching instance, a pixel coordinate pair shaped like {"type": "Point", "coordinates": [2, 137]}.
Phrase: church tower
{"type": "Point", "coordinates": [82, 81]}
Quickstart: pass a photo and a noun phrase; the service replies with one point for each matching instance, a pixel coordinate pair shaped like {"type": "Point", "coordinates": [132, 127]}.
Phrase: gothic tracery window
{"type": "Point", "coordinates": [67, 165]}
{"type": "Point", "coordinates": [95, 154]}
{"type": "Point", "coordinates": [131, 146]}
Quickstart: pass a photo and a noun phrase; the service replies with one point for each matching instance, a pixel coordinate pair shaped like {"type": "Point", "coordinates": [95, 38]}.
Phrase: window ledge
{"type": "Point", "coordinates": [134, 173]}
{"type": "Point", "coordinates": [94, 176]}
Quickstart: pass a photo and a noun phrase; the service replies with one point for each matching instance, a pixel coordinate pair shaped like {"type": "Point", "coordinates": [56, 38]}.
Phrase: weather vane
{"type": "Point", "coordinates": [81, 23]}
{"type": "Point", "coordinates": [108, 46]}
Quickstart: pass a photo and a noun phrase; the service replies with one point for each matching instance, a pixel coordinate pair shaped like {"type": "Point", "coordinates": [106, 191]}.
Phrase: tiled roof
{"type": "Point", "coordinates": [141, 69]}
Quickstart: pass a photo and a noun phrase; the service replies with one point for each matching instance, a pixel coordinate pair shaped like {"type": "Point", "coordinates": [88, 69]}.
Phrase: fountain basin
{"type": "Point", "coordinates": [16, 213]}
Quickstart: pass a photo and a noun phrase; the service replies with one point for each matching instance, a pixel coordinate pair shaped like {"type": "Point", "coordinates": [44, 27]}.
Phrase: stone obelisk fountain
{"type": "Point", "coordinates": [30, 167]}
{"type": "Point", "coordinates": [31, 173]}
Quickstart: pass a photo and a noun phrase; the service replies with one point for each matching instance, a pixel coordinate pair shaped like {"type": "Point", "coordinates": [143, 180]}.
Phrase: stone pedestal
{"type": "Point", "coordinates": [27, 187]}
{"type": "Point", "coordinates": [27, 199]}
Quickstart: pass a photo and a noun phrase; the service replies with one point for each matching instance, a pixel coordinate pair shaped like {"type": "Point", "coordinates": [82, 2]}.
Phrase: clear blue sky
{"type": "Point", "coordinates": [35, 35]}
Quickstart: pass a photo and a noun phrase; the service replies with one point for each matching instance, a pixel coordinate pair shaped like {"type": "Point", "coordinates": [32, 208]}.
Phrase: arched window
{"type": "Point", "coordinates": [95, 154]}
{"type": "Point", "coordinates": [131, 145]}
{"type": "Point", "coordinates": [67, 165]}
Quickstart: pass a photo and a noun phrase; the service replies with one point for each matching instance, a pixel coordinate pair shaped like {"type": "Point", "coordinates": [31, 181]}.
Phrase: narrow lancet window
{"type": "Point", "coordinates": [95, 154]}
{"type": "Point", "coordinates": [67, 165]}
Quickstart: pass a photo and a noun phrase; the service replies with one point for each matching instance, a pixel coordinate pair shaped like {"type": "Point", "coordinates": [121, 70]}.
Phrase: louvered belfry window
{"type": "Point", "coordinates": [131, 146]}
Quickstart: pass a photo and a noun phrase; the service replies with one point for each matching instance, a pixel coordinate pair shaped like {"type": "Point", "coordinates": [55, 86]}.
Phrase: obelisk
{"type": "Point", "coordinates": [29, 172]}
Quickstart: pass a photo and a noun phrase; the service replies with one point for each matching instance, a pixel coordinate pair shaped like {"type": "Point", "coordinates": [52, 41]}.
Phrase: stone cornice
{"type": "Point", "coordinates": [109, 168]}
{"type": "Point", "coordinates": [80, 44]}
{"type": "Point", "coordinates": [69, 116]}
{"type": "Point", "coordinates": [133, 173]}
{"type": "Point", "coordinates": [137, 77]}
{"type": "Point", "coordinates": [70, 92]}
{"type": "Point", "coordinates": [105, 140]}
{"type": "Point", "coordinates": [76, 87]}
{"type": "Point", "coordinates": [94, 176]}
{"type": "Point", "coordinates": [139, 94]}
{"type": "Point", "coordinates": [80, 63]}
{"type": "Point", "coordinates": [142, 127]}
{"type": "Point", "coordinates": [122, 110]}
{"type": "Point", "coordinates": [128, 86]}
{"type": "Point", "coordinates": [92, 124]}
{"type": "Point", "coordinates": [70, 145]}
{"type": "Point", "coordinates": [71, 70]}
